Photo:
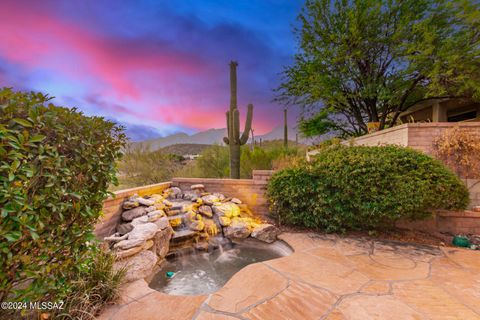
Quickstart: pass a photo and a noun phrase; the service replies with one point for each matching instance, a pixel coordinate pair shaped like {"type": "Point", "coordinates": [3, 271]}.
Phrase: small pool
{"type": "Point", "coordinates": [203, 272]}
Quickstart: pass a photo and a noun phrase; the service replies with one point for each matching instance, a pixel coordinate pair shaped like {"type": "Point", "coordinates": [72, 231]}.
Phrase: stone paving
{"type": "Point", "coordinates": [328, 277]}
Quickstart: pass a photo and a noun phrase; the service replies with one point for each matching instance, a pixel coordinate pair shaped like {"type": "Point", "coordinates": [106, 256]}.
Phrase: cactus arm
{"type": "Point", "coordinates": [248, 125]}
{"type": "Point", "coordinates": [226, 139]}
{"type": "Point", "coordinates": [236, 126]}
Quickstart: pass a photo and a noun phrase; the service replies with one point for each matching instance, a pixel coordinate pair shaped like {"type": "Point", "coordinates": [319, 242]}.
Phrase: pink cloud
{"type": "Point", "coordinates": [36, 39]}
{"type": "Point", "coordinates": [134, 78]}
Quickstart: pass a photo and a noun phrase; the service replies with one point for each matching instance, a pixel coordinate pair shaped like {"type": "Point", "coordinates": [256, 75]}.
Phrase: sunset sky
{"type": "Point", "coordinates": [159, 67]}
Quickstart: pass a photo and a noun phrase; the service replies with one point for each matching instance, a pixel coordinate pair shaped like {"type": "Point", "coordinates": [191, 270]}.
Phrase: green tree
{"type": "Point", "coordinates": [369, 60]}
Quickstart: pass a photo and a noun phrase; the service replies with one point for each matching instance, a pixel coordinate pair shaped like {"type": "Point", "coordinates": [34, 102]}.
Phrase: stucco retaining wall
{"type": "Point", "coordinates": [422, 136]}
{"type": "Point", "coordinates": [419, 136]}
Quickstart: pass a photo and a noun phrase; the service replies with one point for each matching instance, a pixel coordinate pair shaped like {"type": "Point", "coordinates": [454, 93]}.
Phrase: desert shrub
{"type": "Point", "coordinates": [459, 149]}
{"type": "Point", "coordinates": [364, 188]}
{"type": "Point", "coordinates": [95, 285]}
{"type": "Point", "coordinates": [140, 166]}
{"type": "Point", "coordinates": [256, 159]}
{"type": "Point", "coordinates": [288, 161]}
{"type": "Point", "coordinates": [55, 168]}
{"type": "Point", "coordinates": [213, 163]}
{"type": "Point", "coordinates": [271, 155]}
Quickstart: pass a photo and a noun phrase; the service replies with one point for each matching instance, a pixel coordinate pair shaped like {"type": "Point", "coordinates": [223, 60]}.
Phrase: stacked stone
{"type": "Point", "coordinates": [153, 225]}
{"type": "Point", "coordinates": [212, 213]}
{"type": "Point", "coordinates": [143, 236]}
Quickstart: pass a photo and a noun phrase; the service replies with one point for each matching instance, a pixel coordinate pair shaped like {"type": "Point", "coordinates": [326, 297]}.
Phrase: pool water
{"type": "Point", "coordinates": [203, 272]}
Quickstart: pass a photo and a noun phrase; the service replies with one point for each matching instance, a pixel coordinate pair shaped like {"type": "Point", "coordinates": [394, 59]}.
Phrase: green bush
{"type": "Point", "coordinates": [55, 168]}
{"type": "Point", "coordinates": [364, 188]}
{"type": "Point", "coordinates": [214, 161]}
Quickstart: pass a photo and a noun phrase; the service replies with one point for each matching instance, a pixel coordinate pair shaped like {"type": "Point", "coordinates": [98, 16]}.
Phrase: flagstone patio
{"type": "Point", "coordinates": [328, 277]}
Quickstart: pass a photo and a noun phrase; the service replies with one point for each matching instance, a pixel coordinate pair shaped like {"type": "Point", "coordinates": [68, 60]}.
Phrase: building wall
{"type": "Point", "coordinates": [250, 191]}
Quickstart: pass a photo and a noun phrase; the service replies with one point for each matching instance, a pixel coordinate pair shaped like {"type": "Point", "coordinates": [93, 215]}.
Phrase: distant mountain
{"type": "Point", "coordinates": [210, 136]}
{"type": "Point", "coordinates": [184, 148]}
{"type": "Point", "coordinates": [277, 133]}
{"type": "Point", "coordinates": [213, 136]}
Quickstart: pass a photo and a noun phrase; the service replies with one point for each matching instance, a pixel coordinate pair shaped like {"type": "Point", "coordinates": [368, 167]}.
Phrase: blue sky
{"type": "Point", "coordinates": [159, 67]}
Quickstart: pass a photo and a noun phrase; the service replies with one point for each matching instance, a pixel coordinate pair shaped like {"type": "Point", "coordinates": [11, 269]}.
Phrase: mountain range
{"type": "Point", "coordinates": [214, 136]}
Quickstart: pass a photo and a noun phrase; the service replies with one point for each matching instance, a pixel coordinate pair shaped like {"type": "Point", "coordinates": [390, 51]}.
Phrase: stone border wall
{"type": "Point", "coordinates": [461, 222]}
{"type": "Point", "coordinates": [112, 207]}
{"type": "Point", "coordinates": [250, 191]}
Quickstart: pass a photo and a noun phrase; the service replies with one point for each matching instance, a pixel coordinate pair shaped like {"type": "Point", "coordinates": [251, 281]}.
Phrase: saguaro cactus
{"type": "Point", "coordinates": [234, 140]}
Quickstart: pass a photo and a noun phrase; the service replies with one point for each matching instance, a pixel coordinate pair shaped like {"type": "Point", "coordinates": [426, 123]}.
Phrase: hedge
{"type": "Point", "coordinates": [56, 165]}
{"type": "Point", "coordinates": [364, 188]}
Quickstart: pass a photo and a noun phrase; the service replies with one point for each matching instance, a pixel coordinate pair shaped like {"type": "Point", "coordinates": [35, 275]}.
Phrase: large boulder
{"type": "Point", "coordinates": [173, 192]}
{"type": "Point", "coordinates": [138, 266]}
{"type": "Point", "coordinates": [156, 198]}
{"type": "Point", "coordinates": [145, 202]}
{"type": "Point", "coordinates": [124, 228]}
{"type": "Point", "coordinates": [197, 225]}
{"type": "Point", "coordinates": [150, 209]}
{"type": "Point", "coordinates": [122, 254]}
{"type": "Point", "coordinates": [161, 241]}
{"type": "Point", "coordinates": [127, 244]}
{"type": "Point", "coordinates": [190, 195]}
{"type": "Point", "coordinates": [237, 230]}
{"type": "Point", "coordinates": [220, 196]}
{"type": "Point", "coordinates": [265, 232]}
{"type": "Point", "coordinates": [144, 231]}
{"type": "Point", "coordinates": [155, 215]}
{"type": "Point", "coordinates": [210, 199]}
{"type": "Point", "coordinates": [127, 205]}
{"type": "Point", "coordinates": [206, 211]}
{"type": "Point", "coordinates": [129, 215]}
{"type": "Point", "coordinates": [162, 223]}
{"type": "Point", "coordinates": [224, 221]}
{"type": "Point", "coordinates": [229, 210]}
